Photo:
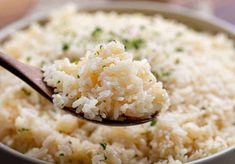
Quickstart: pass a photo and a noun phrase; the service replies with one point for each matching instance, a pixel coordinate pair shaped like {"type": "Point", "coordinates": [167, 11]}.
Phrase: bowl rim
{"type": "Point", "coordinates": [141, 6]}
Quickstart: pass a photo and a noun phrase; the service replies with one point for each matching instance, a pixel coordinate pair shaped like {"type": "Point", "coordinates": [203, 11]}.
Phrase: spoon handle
{"type": "Point", "coordinates": [29, 74]}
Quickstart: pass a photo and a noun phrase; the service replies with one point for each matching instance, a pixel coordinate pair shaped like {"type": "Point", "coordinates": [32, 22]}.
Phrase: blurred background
{"type": "Point", "coordinates": [11, 10]}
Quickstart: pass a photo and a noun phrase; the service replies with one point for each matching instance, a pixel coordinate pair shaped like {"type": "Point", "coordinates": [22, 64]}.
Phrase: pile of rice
{"type": "Point", "coordinates": [196, 68]}
{"type": "Point", "coordinates": [107, 84]}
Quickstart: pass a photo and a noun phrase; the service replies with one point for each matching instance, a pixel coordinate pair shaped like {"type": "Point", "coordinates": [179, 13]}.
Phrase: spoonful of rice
{"type": "Point", "coordinates": [106, 86]}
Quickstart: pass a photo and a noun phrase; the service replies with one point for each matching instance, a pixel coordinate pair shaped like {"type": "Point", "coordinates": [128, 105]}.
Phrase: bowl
{"type": "Point", "coordinates": [191, 18]}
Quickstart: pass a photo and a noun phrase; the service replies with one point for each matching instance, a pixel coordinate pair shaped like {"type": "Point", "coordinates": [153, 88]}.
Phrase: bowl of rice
{"type": "Point", "coordinates": [192, 55]}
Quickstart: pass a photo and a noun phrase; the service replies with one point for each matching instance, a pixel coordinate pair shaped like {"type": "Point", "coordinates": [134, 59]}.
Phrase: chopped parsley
{"type": "Point", "coordinates": [111, 33]}
{"type": "Point", "coordinates": [156, 74]}
{"type": "Point", "coordinates": [179, 34]}
{"type": "Point", "coordinates": [61, 154]}
{"type": "Point", "coordinates": [58, 81]}
{"type": "Point", "coordinates": [203, 108]}
{"type": "Point", "coordinates": [153, 122]}
{"type": "Point", "coordinates": [43, 63]}
{"type": "Point", "coordinates": [179, 49]}
{"type": "Point", "coordinates": [110, 40]}
{"type": "Point", "coordinates": [28, 59]}
{"type": "Point", "coordinates": [103, 145]}
{"type": "Point", "coordinates": [164, 74]}
{"type": "Point", "coordinates": [23, 130]}
{"type": "Point", "coordinates": [135, 43]}
{"type": "Point", "coordinates": [97, 53]}
{"type": "Point", "coordinates": [142, 27]}
{"type": "Point", "coordinates": [96, 33]}
{"type": "Point", "coordinates": [75, 62]}
{"type": "Point", "coordinates": [78, 76]}
{"type": "Point", "coordinates": [156, 33]}
{"type": "Point", "coordinates": [65, 47]}
{"type": "Point", "coordinates": [28, 93]}
{"type": "Point", "coordinates": [161, 74]}
{"type": "Point", "coordinates": [137, 58]}
{"type": "Point", "coordinates": [177, 61]}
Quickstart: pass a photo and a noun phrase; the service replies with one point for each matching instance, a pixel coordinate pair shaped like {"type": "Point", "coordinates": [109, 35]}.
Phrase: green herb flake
{"type": "Point", "coordinates": [23, 130]}
{"type": "Point", "coordinates": [203, 108]}
{"type": "Point", "coordinates": [153, 122]}
{"type": "Point", "coordinates": [65, 47]}
{"type": "Point", "coordinates": [58, 81]}
{"type": "Point", "coordinates": [135, 43]}
{"type": "Point", "coordinates": [156, 33]}
{"type": "Point", "coordinates": [42, 63]}
{"type": "Point", "coordinates": [61, 154]}
{"type": "Point", "coordinates": [28, 93]}
{"type": "Point", "coordinates": [137, 58]}
{"type": "Point", "coordinates": [97, 53]}
{"type": "Point", "coordinates": [142, 27]}
{"type": "Point", "coordinates": [75, 62]}
{"type": "Point", "coordinates": [96, 33]}
{"type": "Point", "coordinates": [109, 40]}
{"type": "Point", "coordinates": [179, 49]}
{"type": "Point", "coordinates": [179, 34]}
{"type": "Point", "coordinates": [127, 43]}
{"type": "Point", "coordinates": [103, 145]}
{"type": "Point", "coordinates": [78, 76]}
{"type": "Point", "coordinates": [177, 61]}
{"type": "Point", "coordinates": [111, 33]}
{"type": "Point", "coordinates": [28, 59]}
{"type": "Point", "coordinates": [164, 74]}
{"type": "Point", "coordinates": [156, 74]}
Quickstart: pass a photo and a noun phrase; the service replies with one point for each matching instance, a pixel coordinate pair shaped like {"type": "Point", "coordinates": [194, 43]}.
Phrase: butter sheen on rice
{"type": "Point", "coordinates": [107, 83]}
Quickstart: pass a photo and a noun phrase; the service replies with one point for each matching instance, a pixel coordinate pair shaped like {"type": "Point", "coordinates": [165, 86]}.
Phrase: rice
{"type": "Point", "coordinates": [107, 84]}
{"type": "Point", "coordinates": [196, 69]}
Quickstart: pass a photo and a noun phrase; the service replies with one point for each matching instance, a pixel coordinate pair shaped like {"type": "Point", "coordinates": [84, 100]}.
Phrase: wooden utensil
{"type": "Point", "coordinates": [34, 77]}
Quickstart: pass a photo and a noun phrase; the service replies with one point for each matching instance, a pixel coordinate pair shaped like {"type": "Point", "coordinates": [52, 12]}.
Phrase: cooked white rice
{"type": "Point", "coordinates": [196, 68]}
{"type": "Point", "coordinates": [107, 84]}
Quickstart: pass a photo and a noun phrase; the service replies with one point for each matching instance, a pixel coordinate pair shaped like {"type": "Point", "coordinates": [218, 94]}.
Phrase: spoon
{"type": "Point", "coordinates": [34, 77]}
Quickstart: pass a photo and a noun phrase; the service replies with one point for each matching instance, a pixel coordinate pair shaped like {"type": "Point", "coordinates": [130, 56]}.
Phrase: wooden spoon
{"type": "Point", "coordinates": [34, 77]}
